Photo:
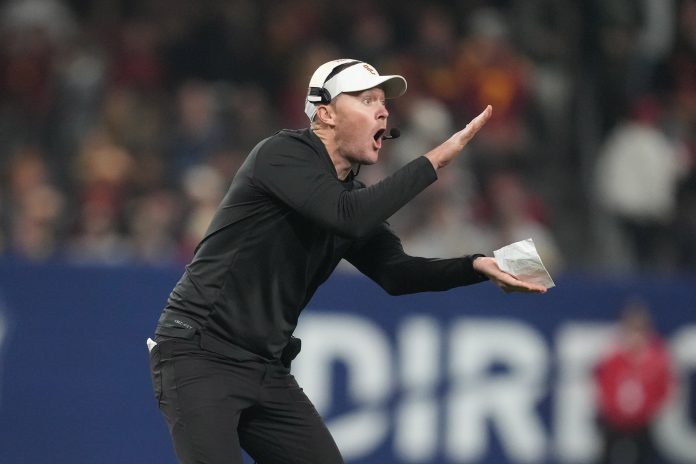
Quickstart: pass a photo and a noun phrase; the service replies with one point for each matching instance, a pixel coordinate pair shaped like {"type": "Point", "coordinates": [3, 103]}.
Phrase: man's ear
{"type": "Point", "coordinates": [326, 115]}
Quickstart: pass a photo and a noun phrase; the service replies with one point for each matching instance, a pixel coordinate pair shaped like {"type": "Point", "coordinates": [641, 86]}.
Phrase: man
{"type": "Point", "coordinates": [220, 364]}
{"type": "Point", "coordinates": [633, 382]}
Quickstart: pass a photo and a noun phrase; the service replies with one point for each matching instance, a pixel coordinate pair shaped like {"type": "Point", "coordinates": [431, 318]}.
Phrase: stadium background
{"type": "Point", "coordinates": [122, 122]}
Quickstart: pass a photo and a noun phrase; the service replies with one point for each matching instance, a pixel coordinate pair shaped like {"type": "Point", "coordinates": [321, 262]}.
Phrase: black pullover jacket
{"type": "Point", "coordinates": [280, 231]}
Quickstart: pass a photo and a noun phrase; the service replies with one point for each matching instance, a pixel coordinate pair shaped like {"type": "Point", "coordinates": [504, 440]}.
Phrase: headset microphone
{"type": "Point", "coordinates": [394, 133]}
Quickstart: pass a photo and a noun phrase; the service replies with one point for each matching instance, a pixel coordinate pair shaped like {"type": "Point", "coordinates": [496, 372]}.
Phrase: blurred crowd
{"type": "Point", "coordinates": [122, 122]}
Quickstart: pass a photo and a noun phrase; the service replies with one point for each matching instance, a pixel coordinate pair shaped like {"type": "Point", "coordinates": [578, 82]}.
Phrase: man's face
{"type": "Point", "coordinates": [361, 120]}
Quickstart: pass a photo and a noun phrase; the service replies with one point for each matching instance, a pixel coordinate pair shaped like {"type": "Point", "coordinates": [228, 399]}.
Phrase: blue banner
{"type": "Point", "coordinates": [469, 375]}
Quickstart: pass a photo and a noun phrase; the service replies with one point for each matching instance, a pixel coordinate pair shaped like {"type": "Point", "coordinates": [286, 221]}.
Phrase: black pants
{"type": "Point", "coordinates": [215, 405]}
{"type": "Point", "coordinates": [626, 446]}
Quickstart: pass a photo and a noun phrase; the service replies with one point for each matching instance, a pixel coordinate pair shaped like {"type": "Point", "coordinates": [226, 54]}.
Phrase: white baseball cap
{"type": "Point", "coordinates": [346, 75]}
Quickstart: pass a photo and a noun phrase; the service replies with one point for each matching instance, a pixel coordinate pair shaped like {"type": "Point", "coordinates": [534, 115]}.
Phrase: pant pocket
{"type": "Point", "coordinates": [156, 372]}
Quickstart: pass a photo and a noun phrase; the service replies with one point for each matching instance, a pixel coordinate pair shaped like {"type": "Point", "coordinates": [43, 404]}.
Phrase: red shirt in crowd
{"type": "Point", "coordinates": [634, 383]}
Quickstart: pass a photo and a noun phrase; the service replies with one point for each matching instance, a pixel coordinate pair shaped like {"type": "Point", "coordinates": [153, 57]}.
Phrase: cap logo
{"type": "Point", "coordinates": [369, 69]}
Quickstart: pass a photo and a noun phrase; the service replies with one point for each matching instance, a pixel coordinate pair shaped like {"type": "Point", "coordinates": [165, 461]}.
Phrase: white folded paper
{"type": "Point", "coordinates": [522, 260]}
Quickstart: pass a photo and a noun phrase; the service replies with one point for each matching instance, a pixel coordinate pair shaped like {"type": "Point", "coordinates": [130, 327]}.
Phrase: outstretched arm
{"type": "Point", "coordinates": [298, 177]}
{"type": "Point", "coordinates": [381, 257]}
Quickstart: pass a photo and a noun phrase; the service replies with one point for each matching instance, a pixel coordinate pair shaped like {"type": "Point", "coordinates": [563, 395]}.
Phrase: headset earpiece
{"type": "Point", "coordinates": [319, 95]}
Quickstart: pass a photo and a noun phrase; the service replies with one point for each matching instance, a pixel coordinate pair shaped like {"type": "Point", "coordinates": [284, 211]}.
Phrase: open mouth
{"type": "Point", "coordinates": [378, 135]}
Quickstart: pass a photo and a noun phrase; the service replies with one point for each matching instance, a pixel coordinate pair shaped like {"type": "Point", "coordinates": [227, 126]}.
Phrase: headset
{"type": "Point", "coordinates": [320, 95]}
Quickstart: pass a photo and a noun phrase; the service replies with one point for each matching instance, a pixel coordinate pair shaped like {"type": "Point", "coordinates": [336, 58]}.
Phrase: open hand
{"type": "Point", "coordinates": [442, 155]}
{"type": "Point", "coordinates": [506, 282]}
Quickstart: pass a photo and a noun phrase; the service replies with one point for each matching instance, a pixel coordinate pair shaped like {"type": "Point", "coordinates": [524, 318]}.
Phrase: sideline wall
{"type": "Point", "coordinates": [469, 375]}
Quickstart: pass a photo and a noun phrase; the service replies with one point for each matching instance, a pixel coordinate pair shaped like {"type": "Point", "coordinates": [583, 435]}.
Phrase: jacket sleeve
{"type": "Point", "coordinates": [308, 184]}
{"type": "Point", "coordinates": [381, 257]}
